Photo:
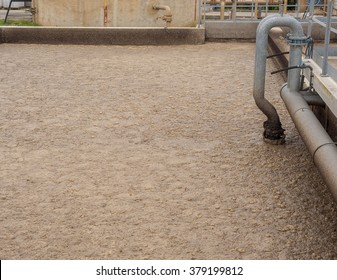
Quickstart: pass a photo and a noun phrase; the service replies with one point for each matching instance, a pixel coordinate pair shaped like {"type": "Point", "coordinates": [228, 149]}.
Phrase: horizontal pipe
{"type": "Point", "coordinates": [321, 147]}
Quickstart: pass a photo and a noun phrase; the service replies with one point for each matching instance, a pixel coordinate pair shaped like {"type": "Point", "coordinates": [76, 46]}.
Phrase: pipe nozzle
{"type": "Point", "coordinates": [168, 15]}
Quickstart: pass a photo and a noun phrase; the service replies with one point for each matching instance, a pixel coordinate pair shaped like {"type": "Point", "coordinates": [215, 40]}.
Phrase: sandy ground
{"type": "Point", "coordinates": [151, 153]}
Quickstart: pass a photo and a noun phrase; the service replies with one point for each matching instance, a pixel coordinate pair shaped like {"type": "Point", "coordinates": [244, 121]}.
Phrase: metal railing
{"type": "Point", "coordinates": [256, 9]}
{"type": "Point", "coordinates": [314, 11]}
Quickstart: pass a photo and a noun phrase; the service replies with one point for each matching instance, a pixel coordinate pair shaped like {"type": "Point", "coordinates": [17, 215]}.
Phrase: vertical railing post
{"type": "Point", "coordinates": [298, 5]}
{"type": "Point", "coordinates": [327, 40]}
{"type": "Point", "coordinates": [285, 6]}
{"type": "Point", "coordinates": [281, 5]}
{"type": "Point", "coordinates": [256, 6]}
{"type": "Point", "coordinates": [234, 10]}
{"type": "Point", "coordinates": [199, 12]}
{"type": "Point", "coordinates": [222, 10]}
{"type": "Point", "coordinates": [252, 10]}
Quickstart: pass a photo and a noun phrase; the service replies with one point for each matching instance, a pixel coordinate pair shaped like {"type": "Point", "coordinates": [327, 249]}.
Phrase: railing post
{"type": "Point", "coordinates": [285, 6]}
{"type": "Point", "coordinates": [234, 10]}
{"type": "Point", "coordinates": [199, 12]}
{"type": "Point", "coordinates": [222, 10]}
{"type": "Point", "coordinates": [327, 40]}
{"type": "Point", "coordinates": [311, 11]}
{"type": "Point", "coordinates": [281, 5]}
{"type": "Point", "coordinates": [256, 5]}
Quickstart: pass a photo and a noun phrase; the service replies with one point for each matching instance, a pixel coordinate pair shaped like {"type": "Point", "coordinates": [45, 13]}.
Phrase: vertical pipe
{"type": "Point", "coordinates": [295, 59]}
{"type": "Point", "coordinates": [327, 40]}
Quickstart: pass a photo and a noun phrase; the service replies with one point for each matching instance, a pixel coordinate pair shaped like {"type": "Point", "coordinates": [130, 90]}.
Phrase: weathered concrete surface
{"type": "Point", "coordinates": [120, 13]}
{"type": "Point", "coordinates": [102, 36]}
{"type": "Point", "coordinates": [220, 30]}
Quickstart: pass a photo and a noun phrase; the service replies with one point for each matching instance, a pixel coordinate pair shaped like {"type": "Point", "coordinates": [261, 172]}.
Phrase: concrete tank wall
{"type": "Point", "coordinates": [120, 13]}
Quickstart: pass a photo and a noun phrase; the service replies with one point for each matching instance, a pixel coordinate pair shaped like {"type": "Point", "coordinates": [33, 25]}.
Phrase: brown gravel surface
{"type": "Point", "coordinates": [110, 152]}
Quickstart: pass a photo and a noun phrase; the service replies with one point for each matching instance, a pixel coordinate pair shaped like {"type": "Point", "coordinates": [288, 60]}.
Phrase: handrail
{"type": "Point", "coordinates": [321, 23]}
{"type": "Point", "coordinates": [255, 9]}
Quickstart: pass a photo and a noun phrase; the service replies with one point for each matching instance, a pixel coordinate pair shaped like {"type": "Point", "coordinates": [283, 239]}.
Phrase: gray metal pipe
{"type": "Point", "coordinates": [321, 147]}
{"type": "Point", "coordinates": [273, 132]}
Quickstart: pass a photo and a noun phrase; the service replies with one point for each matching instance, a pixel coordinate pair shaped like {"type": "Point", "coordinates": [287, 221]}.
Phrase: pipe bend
{"type": "Point", "coordinates": [280, 21]}
{"type": "Point", "coordinates": [266, 19]}
{"type": "Point", "coordinates": [262, 33]}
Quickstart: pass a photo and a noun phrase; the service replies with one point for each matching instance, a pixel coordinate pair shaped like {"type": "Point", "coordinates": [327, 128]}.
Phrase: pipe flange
{"type": "Point", "coordinates": [273, 135]}
{"type": "Point", "coordinates": [296, 40]}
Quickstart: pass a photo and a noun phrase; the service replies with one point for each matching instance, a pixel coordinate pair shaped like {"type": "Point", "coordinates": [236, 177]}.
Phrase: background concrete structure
{"type": "Point", "coordinates": [5, 4]}
{"type": "Point", "coordinates": [113, 13]}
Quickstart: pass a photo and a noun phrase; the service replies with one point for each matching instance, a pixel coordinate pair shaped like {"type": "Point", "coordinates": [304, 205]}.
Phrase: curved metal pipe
{"type": "Point", "coordinates": [274, 132]}
{"type": "Point", "coordinates": [317, 140]}
{"type": "Point", "coordinates": [168, 15]}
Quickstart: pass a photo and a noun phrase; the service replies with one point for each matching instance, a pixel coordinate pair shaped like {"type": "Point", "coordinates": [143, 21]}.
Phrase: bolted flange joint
{"type": "Point", "coordinates": [273, 134]}
{"type": "Point", "coordinates": [296, 40]}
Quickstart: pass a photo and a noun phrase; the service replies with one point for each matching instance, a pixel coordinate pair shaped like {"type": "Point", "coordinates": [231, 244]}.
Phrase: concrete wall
{"type": "Point", "coordinates": [120, 13]}
{"type": "Point", "coordinates": [102, 35]}
{"type": "Point", "coordinates": [224, 30]}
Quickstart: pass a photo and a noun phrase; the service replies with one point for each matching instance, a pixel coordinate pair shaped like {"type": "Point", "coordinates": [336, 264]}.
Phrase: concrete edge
{"type": "Point", "coordinates": [101, 36]}
{"type": "Point", "coordinates": [246, 30]}
{"type": "Point", "coordinates": [231, 30]}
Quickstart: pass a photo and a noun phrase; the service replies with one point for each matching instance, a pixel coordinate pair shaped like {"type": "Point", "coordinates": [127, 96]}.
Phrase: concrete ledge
{"type": "Point", "coordinates": [223, 30]}
{"type": "Point", "coordinates": [246, 30]}
{"type": "Point", "coordinates": [101, 36]}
